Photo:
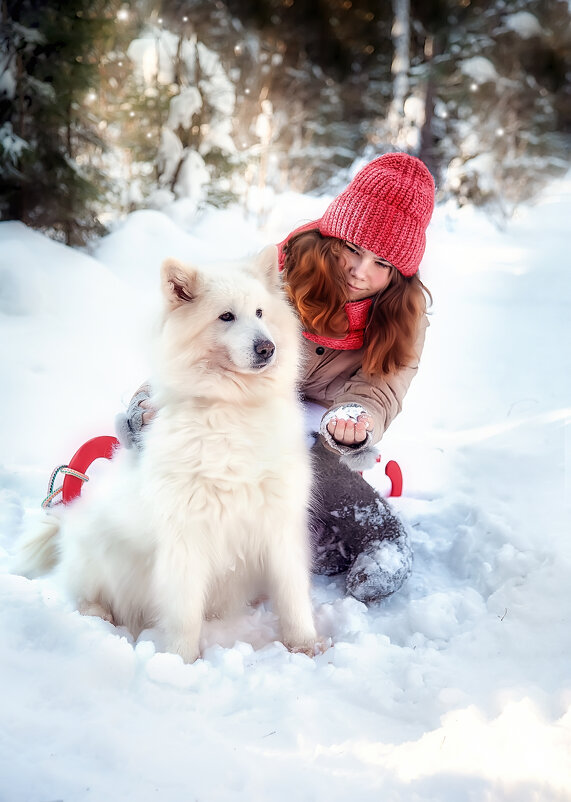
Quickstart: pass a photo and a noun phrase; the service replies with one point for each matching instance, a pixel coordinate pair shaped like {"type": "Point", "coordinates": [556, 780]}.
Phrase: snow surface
{"type": "Point", "coordinates": [524, 24]}
{"type": "Point", "coordinates": [457, 688]}
{"type": "Point", "coordinates": [480, 69]}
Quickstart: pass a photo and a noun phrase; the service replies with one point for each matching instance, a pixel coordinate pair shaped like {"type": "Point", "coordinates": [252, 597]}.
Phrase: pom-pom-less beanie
{"type": "Point", "coordinates": [385, 209]}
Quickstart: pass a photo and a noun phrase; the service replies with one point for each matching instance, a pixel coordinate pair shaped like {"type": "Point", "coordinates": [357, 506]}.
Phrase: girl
{"type": "Point", "coordinates": [353, 278]}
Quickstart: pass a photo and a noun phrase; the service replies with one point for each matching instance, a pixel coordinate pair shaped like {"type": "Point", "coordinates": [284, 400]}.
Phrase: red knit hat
{"type": "Point", "coordinates": [385, 209]}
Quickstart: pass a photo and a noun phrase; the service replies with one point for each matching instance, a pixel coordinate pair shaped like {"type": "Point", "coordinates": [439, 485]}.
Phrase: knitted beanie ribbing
{"type": "Point", "coordinates": [385, 209]}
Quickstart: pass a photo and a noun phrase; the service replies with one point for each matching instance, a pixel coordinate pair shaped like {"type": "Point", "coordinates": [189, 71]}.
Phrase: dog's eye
{"type": "Point", "coordinates": [227, 317]}
{"type": "Point", "coordinates": [258, 313]}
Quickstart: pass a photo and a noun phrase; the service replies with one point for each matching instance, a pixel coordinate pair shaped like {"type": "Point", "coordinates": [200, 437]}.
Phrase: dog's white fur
{"type": "Point", "coordinates": [213, 511]}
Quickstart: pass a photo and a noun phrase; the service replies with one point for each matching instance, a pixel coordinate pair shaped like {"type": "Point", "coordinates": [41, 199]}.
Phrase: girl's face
{"type": "Point", "coordinates": [365, 273]}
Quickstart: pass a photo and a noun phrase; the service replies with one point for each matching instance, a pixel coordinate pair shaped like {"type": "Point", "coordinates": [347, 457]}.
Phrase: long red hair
{"type": "Point", "coordinates": [315, 282]}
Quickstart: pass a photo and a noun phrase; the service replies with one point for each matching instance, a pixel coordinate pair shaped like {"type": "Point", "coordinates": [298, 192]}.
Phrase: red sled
{"type": "Point", "coordinates": [104, 446]}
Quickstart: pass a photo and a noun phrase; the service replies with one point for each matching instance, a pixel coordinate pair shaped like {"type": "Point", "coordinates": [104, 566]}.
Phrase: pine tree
{"type": "Point", "coordinates": [49, 182]}
{"type": "Point", "coordinates": [131, 116]}
{"type": "Point", "coordinates": [501, 77]}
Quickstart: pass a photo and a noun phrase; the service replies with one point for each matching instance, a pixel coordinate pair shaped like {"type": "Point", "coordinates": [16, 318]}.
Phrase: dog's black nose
{"type": "Point", "coordinates": [264, 349]}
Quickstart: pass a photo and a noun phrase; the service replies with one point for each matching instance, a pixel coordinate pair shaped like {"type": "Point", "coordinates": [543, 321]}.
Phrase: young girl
{"type": "Point", "coordinates": [353, 278]}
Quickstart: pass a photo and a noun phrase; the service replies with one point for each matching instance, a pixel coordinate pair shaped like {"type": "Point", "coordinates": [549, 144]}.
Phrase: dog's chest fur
{"type": "Point", "coordinates": [223, 468]}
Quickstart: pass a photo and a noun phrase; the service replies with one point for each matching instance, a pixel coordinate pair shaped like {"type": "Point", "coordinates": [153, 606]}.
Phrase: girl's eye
{"type": "Point", "coordinates": [227, 317]}
{"type": "Point", "coordinates": [351, 248]}
{"type": "Point", "coordinates": [386, 265]}
{"type": "Point", "coordinates": [258, 313]}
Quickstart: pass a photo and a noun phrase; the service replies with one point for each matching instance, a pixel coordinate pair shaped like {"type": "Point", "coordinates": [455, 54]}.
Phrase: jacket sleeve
{"type": "Point", "coordinates": [379, 396]}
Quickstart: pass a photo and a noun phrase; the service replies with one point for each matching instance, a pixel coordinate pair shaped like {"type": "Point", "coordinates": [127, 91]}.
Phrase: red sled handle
{"type": "Point", "coordinates": [393, 471]}
{"type": "Point", "coordinates": [103, 446]}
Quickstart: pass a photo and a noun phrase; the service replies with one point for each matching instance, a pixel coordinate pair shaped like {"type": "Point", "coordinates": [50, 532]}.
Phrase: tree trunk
{"type": "Point", "coordinates": [69, 204]}
{"type": "Point", "coordinates": [426, 150]}
{"type": "Point", "coordinates": [400, 72]}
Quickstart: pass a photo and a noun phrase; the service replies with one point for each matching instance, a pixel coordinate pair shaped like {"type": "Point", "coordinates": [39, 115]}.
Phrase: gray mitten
{"type": "Point", "coordinates": [129, 424]}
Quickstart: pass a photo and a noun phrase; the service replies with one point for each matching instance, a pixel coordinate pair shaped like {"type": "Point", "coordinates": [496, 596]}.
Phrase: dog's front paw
{"type": "Point", "coordinates": [311, 648]}
{"type": "Point", "coordinates": [188, 651]}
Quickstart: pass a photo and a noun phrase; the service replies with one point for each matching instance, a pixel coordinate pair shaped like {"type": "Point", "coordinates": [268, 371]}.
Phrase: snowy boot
{"type": "Point", "coordinates": [356, 531]}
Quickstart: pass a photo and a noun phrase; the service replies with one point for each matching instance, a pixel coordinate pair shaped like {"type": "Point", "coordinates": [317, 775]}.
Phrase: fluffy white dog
{"type": "Point", "coordinates": [212, 511]}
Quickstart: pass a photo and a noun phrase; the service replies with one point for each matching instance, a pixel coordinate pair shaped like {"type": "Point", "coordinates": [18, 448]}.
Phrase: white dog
{"type": "Point", "coordinates": [212, 512]}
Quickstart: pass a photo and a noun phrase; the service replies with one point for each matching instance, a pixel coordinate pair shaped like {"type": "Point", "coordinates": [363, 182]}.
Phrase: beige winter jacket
{"type": "Point", "coordinates": [333, 378]}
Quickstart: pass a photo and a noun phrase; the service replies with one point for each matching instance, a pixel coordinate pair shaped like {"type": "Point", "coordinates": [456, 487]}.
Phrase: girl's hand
{"type": "Point", "coordinates": [149, 412]}
{"type": "Point", "coordinates": [350, 432]}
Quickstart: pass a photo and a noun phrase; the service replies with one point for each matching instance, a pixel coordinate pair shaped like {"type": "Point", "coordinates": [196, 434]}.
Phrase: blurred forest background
{"type": "Point", "coordinates": [109, 106]}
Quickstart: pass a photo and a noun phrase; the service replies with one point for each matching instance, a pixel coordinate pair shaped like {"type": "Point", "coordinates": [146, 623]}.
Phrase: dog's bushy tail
{"type": "Point", "coordinates": [38, 553]}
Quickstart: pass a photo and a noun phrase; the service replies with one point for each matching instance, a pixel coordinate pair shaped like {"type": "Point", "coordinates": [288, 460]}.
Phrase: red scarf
{"type": "Point", "coordinates": [356, 312]}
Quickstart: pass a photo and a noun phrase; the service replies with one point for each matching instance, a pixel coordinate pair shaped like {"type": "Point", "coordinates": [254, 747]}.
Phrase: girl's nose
{"type": "Point", "coordinates": [356, 266]}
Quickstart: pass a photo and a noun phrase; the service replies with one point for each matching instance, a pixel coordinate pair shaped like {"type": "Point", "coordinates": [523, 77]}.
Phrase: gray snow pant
{"type": "Point", "coordinates": [355, 531]}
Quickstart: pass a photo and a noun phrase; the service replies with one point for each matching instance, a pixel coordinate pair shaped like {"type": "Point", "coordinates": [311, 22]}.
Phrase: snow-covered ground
{"type": "Point", "coordinates": [457, 688]}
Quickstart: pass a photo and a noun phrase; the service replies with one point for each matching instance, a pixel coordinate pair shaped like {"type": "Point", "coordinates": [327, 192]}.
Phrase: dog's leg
{"type": "Point", "coordinates": [181, 581]}
{"type": "Point", "coordinates": [289, 578]}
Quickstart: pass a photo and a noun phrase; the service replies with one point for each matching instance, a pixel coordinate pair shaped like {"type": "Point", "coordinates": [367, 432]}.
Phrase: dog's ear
{"type": "Point", "coordinates": [266, 267]}
{"type": "Point", "coordinates": [179, 282]}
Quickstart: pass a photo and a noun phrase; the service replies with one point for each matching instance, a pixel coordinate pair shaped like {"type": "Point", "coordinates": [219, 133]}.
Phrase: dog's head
{"type": "Point", "coordinates": [225, 321]}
